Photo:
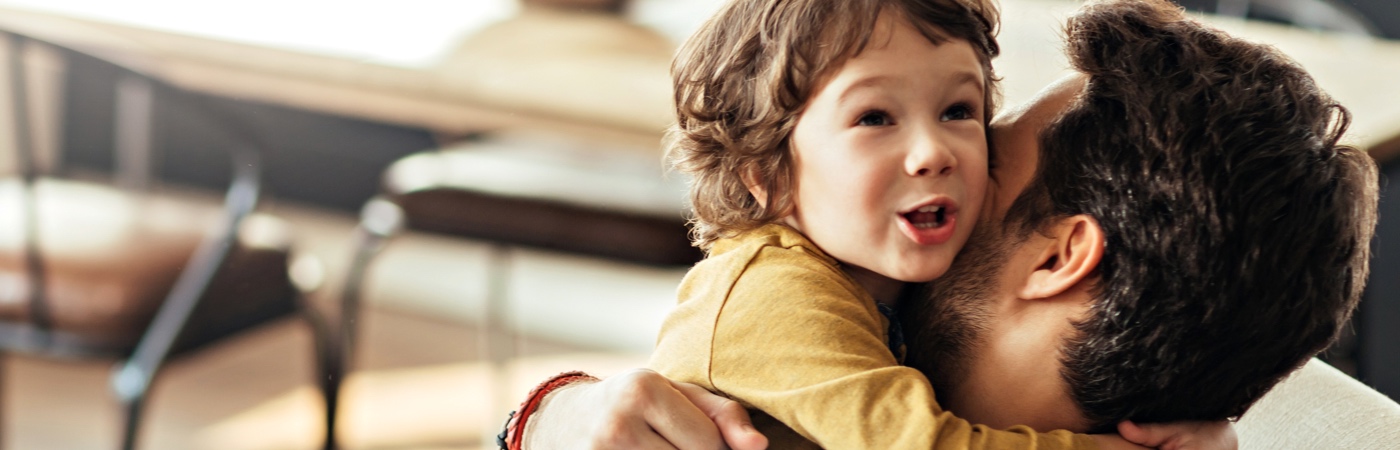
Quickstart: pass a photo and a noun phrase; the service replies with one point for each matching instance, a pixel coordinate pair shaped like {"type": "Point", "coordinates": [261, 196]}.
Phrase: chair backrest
{"type": "Point", "coordinates": [17, 51]}
{"type": "Point", "coordinates": [31, 110]}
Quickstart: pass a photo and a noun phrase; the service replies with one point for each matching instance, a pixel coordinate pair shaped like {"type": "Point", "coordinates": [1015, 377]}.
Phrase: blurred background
{"type": "Point", "coordinates": [440, 202]}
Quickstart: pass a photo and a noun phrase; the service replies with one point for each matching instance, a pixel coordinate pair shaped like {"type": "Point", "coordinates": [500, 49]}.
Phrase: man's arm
{"type": "Point", "coordinates": [639, 409]}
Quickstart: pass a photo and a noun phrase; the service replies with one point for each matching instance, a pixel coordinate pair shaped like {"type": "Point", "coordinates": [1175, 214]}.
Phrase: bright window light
{"type": "Point", "coordinates": [411, 33]}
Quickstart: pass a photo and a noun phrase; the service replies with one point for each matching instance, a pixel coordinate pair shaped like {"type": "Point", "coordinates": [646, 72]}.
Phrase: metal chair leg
{"type": "Point", "coordinates": [329, 367]}
{"type": "Point", "coordinates": [4, 359]}
{"type": "Point", "coordinates": [380, 219]}
{"type": "Point", "coordinates": [332, 370]}
{"type": "Point", "coordinates": [132, 407]}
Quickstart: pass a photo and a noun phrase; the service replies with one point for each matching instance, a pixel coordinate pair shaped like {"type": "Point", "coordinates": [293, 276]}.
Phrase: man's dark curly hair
{"type": "Point", "coordinates": [1237, 229]}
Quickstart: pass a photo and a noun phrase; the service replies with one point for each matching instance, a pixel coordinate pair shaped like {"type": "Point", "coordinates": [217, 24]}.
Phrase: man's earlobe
{"type": "Point", "coordinates": [1071, 257]}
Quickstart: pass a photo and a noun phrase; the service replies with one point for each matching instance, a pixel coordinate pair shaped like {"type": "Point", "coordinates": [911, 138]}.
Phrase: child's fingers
{"type": "Point", "coordinates": [1114, 442]}
{"type": "Point", "coordinates": [1218, 435]}
{"type": "Point", "coordinates": [1146, 436]}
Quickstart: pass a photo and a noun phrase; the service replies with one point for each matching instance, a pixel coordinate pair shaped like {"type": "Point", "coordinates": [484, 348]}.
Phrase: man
{"type": "Point", "coordinates": [1168, 234]}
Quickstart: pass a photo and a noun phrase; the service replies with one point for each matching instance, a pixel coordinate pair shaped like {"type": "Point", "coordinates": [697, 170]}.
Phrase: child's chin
{"type": "Point", "coordinates": [923, 274]}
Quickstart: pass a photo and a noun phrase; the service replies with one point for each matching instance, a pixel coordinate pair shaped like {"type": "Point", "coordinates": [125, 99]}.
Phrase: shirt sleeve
{"type": "Point", "coordinates": [796, 343]}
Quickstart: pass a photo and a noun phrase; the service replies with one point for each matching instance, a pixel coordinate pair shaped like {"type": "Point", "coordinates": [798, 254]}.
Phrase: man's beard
{"type": "Point", "coordinates": [945, 320]}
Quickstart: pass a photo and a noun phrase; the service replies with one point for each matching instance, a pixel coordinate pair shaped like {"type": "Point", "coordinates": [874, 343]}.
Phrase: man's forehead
{"type": "Point", "coordinates": [1015, 144]}
{"type": "Point", "coordinates": [1045, 105]}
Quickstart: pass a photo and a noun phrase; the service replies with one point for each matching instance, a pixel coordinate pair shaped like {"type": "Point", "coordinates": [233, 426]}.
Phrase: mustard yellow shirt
{"type": "Point", "coordinates": [772, 322]}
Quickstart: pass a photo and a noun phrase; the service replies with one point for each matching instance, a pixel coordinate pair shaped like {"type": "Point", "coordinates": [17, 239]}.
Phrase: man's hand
{"type": "Point", "coordinates": [1181, 435]}
{"type": "Point", "coordinates": [640, 409]}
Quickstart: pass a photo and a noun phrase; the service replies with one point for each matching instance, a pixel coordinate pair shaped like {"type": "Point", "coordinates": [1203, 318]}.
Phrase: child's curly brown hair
{"type": "Point", "coordinates": [743, 79]}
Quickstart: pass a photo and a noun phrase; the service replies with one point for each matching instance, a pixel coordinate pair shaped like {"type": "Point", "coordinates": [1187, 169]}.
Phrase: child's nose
{"type": "Point", "coordinates": [930, 156]}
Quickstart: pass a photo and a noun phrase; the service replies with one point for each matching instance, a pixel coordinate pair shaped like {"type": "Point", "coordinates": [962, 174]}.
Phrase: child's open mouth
{"type": "Point", "coordinates": [930, 224]}
{"type": "Point", "coordinates": [927, 217]}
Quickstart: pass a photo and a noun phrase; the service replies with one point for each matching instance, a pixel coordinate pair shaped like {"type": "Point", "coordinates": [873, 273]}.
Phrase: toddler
{"type": "Point", "coordinates": [839, 151]}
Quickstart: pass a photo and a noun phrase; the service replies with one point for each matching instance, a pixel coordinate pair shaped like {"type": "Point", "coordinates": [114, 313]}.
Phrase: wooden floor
{"type": "Point", "coordinates": [418, 384]}
{"type": "Point", "coordinates": [419, 381]}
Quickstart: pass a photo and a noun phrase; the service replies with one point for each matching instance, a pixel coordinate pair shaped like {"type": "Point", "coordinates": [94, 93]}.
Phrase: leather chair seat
{"type": "Point", "coordinates": [611, 202]}
{"type": "Point", "coordinates": [110, 258]}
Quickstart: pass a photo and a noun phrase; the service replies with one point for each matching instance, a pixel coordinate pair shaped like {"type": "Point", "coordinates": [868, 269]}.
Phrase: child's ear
{"type": "Point", "coordinates": [750, 177]}
{"type": "Point", "coordinates": [1074, 251]}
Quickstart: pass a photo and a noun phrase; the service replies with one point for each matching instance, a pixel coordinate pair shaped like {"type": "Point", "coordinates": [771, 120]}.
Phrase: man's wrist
{"type": "Point", "coordinates": [543, 426]}
{"type": "Point", "coordinates": [517, 424]}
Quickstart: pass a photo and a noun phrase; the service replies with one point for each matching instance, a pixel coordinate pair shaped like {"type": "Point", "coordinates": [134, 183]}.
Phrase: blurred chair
{"type": "Point", "coordinates": [546, 193]}
{"type": "Point", "coordinates": [92, 270]}
{"type": "Point", "coordinates": [1385, 14]}
{"type": "Point", "coordinates": [607, 6]}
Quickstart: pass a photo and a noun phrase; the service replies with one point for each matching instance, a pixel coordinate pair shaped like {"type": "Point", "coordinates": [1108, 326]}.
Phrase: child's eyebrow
{"type": "Point", "coordinates": [862, 84]}
{"type": "Point", "coordinates": [960, 77]}
{"type": "Point", "coordinates": [968, 77]}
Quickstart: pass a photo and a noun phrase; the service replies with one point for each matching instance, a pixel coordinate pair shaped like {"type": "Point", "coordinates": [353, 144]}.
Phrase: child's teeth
{"type": "Point", "coordinates": [926, 217]}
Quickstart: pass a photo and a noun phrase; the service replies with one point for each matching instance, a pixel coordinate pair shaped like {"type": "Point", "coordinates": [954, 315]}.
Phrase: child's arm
{"type": "Point", "coordinates": [796, 343]}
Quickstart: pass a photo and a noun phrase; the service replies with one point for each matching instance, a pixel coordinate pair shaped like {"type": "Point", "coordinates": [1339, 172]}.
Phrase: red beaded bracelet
{"type": "Point", "coordinates": [513, 433]}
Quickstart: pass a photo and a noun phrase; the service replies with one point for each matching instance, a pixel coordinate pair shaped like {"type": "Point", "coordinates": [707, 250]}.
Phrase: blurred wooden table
{"type": "Point", "coordinates": [606, 75]}
{"type": "Point", "coordinates": [592, 74]}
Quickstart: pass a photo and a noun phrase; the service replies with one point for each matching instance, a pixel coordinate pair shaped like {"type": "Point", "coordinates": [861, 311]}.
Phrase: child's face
{"type": "Point", "coordinates": [891, 157]}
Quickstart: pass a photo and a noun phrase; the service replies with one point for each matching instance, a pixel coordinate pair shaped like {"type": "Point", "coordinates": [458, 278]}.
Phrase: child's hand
{"type": "Point", "coordinates": [1114, 442]}
{"type": "Point", "coordinates": [1181, 435]}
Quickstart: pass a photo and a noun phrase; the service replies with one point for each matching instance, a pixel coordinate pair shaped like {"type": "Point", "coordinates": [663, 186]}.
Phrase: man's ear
{"type": "Point", "coordinates": [1074, 251]}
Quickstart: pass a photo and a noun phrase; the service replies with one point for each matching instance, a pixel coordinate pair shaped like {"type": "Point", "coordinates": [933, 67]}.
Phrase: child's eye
{"type": "Point", "coordinates": [960, 111]}
{"type": "Point", "coordinates": [874, 119]}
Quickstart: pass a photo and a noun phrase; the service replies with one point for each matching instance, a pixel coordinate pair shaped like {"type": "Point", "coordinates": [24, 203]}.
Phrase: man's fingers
{"type": "Point", "coordinates": [674, 415]}
{"type": "Point", "coordinates": [731, 418]}
{"type": "Point", "coordinates": [670, 415]}
{"type": "Point", "coordinates": [619, 435]}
